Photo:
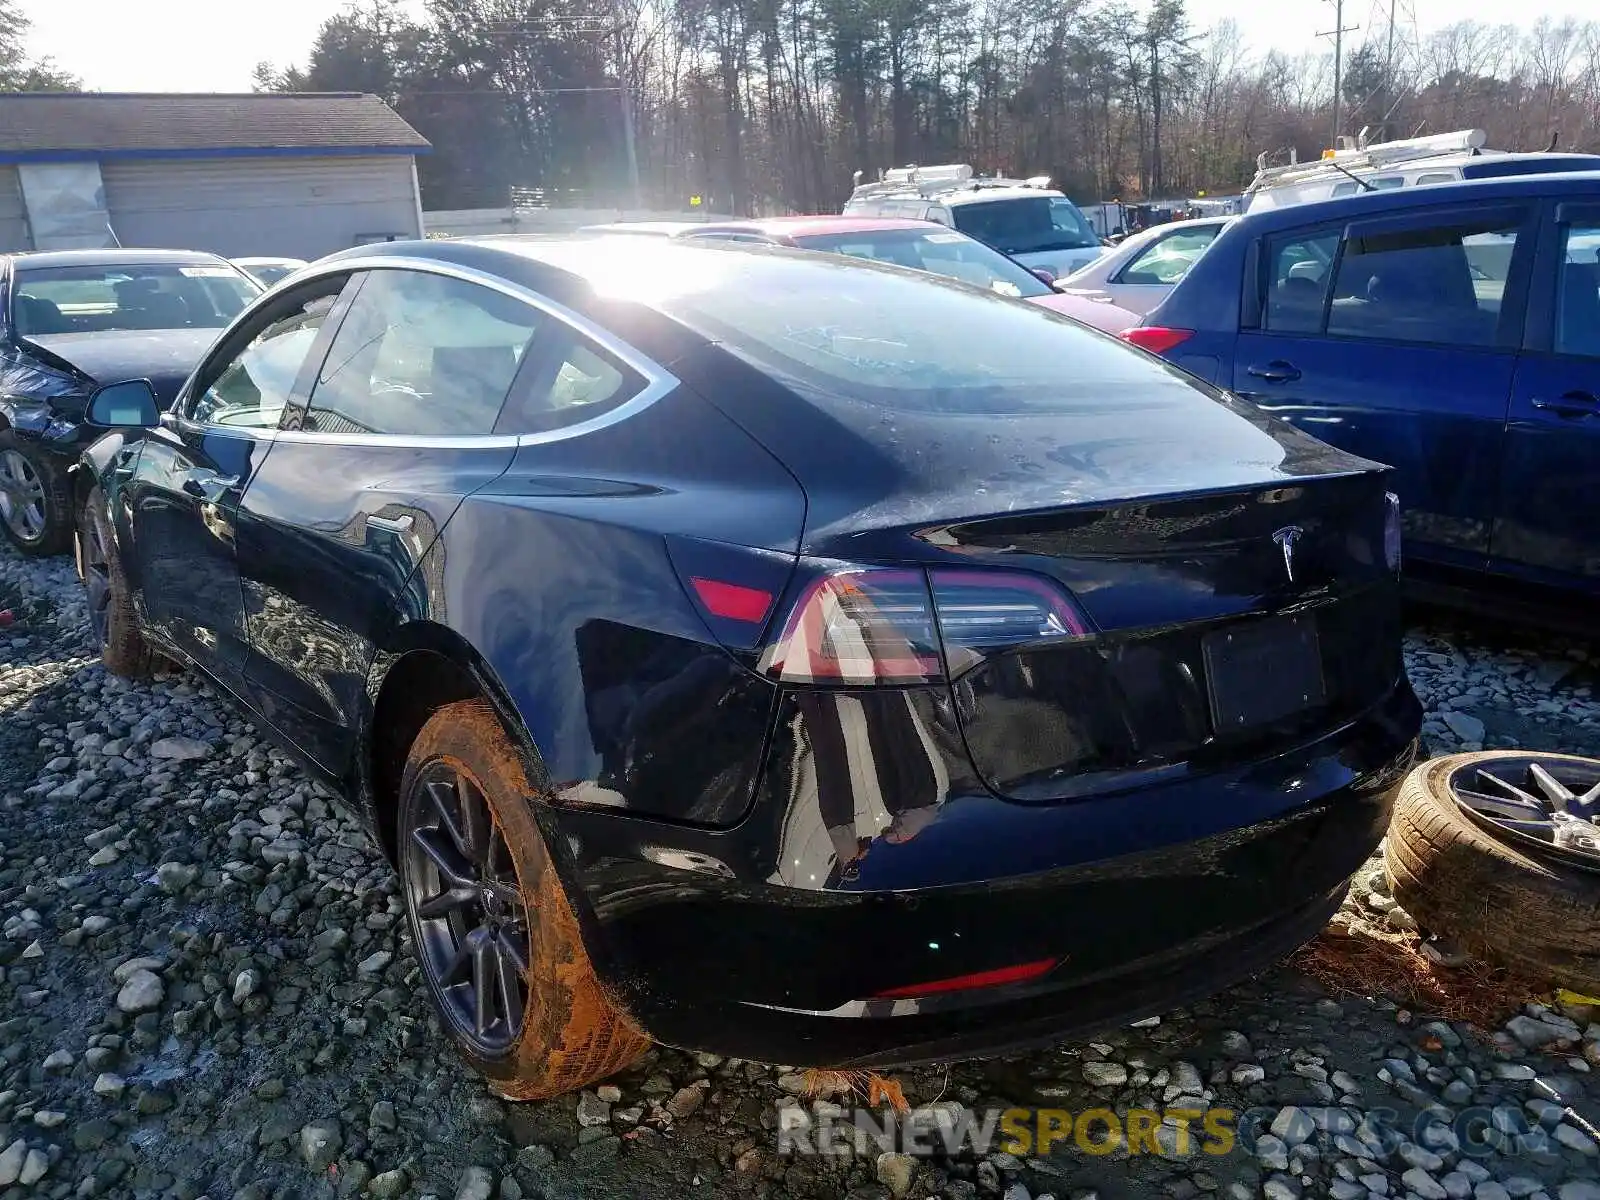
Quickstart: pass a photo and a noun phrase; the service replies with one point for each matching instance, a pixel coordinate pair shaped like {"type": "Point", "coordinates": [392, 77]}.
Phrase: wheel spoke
{"type": "Point", "coordinates": [1488, 780]}
{"type": "Point", "coordinates": [456, 970]}
{"type": "Point", "coordinates": [513, 949]}
{"type": "Point", "coordinates": [446, 858]}
{"type": "Point", "coordinates": [476, 827]}
{"type": "Point", "coordinates": [508, 980]}
{"type": "Point", "coordinates": [1503, 806]}
{"type": "Point", "coordinates": [446, 804]}
{"type": "Point", "coordinates": [1555, 791]}
{"type": "Point", "coordinates": [485, 968]}
{"type": "Point", "coordinates": [446, 902]}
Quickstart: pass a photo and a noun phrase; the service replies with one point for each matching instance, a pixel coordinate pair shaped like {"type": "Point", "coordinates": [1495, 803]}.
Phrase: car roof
{"type": "Point", "coordinates": [611, 266]}
{"type": "Point", "coordinates": [1433, 195]}
{"type": "Point", "coordinates": [982, 194]}
{"type": "Point", "coordinates": [661, 228]}
{"type": "Point", "coordinates": [110, 257]}
{"type": "Point", "coordinates": [801, 226]}
{"type": "Point", "coordinates": [266, 261]}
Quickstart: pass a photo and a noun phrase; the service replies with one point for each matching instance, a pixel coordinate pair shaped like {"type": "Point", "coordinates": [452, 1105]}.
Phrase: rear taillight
{"type": "Point", "coordinates": [1157, 339]}
{"type": "Point", "coordinates": [1391, 531]}
{"type": "Point", "coordinates": [870, 626]}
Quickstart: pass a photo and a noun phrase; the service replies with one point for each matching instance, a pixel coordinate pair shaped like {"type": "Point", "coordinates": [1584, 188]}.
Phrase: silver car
{"type": "Point", "coordinates": [1139, 273]}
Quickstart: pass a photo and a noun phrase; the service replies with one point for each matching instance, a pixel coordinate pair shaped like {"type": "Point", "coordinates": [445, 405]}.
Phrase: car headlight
{"type": "Point", "coordinates": [41, 421]}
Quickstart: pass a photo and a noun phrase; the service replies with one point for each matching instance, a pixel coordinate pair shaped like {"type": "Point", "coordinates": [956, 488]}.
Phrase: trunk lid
{"type": "Point", "coordinates": [1229, 624]}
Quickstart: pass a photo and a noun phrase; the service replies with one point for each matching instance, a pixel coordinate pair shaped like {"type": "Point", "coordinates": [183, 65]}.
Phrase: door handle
{"type": "Point", "coordinates": [400, 524]}
{"type": "Point", "coordinates": [208, 485]}
{"type": "Point", "coordinates": [1571, 405]}
{"type": "Point", "coordinates": [1276, 371]}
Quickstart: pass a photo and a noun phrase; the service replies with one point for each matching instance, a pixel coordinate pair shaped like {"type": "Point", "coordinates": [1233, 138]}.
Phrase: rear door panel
{"type": "Point", "coordinates": [1546, 529]}
{"type": "Point", "coordinates": [1433, 410]}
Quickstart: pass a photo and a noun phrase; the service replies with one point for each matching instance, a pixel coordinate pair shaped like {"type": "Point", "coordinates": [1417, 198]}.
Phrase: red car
{"type": "Point", "coordinates": [922, 246]}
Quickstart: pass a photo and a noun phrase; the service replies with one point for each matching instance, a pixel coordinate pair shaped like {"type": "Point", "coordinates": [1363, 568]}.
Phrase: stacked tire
{"type": "Point", "coordinates": [1535, 914]}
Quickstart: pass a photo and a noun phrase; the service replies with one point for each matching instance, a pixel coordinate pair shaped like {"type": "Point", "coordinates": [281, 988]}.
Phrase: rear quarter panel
{"type": "Point", "coordinates": [559, 575]}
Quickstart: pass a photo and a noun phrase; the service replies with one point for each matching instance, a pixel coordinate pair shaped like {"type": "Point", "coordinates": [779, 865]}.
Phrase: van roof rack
{"type": "Point", "coordinates": [1353, 154]}
{"type": "Point", "coordinates": [940, 179]}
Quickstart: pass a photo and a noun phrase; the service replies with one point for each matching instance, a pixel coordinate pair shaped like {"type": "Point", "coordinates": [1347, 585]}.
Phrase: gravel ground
{"type": "Point", "coordinates": [206, 989]}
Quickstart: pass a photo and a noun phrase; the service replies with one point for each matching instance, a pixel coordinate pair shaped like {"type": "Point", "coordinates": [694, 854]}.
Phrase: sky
{"type": "Point", "coordinates": [204, 46]}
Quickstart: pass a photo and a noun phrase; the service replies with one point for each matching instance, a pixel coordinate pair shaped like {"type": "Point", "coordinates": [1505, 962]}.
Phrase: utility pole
{"type": "Point", "coordinates": [626, 98]}
{"type": "Point", "coordinates": [1337, 34]}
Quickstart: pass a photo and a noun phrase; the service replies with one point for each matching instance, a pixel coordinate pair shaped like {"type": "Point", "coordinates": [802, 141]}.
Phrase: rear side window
{"type": "Point", "coordinates": [423, 355]}
{"type": "Point", "coordinates": [1578, 298]}
{"type": "Point", "coordinates": [573, 380]}
{"type": "Point", "coordinates": [1299, 267]}
{"type": "Point", "coordinates": [1438, 284]}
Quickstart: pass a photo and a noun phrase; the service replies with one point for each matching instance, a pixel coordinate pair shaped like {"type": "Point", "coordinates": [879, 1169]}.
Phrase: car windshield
{"type": "Point", "coordinates": [846, 334]}
{"type": "Point", "coordinates": [942, 251]}
{"type": "Point", "coordinates": [269, 275]}
{"type": "Point", "coordinates": [1025, 224]}
{"type": "Point", "coordinates": [88, 299]}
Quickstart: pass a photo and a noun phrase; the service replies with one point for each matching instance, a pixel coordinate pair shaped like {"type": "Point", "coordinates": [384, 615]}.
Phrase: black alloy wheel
{"type": "Point", "coordinates": [472, 920]}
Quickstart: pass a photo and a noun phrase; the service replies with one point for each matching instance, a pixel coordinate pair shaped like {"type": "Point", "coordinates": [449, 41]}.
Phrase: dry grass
{"type": "Point", "coordinates": [1364, 960]}
{"type": "Point", "coordinates": [875, 1089]}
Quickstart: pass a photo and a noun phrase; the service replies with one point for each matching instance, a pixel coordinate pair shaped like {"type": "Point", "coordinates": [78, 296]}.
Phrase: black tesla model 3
{"type": "Point", "coordinates": [801, 659]}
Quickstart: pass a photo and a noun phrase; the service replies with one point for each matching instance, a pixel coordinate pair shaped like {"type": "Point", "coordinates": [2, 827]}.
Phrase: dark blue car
{"type": "Point", "coordinates": [1450, 331]}
{"type": "Point", "coordinates": [768, 652]}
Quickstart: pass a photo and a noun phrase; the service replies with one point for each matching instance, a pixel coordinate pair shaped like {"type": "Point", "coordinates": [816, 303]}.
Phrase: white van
{"type": "Point", "coordinates": [1411, 162]}
{"type": "Point", "coordinates": [1025, 218]}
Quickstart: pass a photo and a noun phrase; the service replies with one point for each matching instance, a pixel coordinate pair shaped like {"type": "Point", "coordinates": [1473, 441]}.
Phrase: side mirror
{"type": "Point", "coordinates": [127, 405]}
{"type": "Point", "coordinates": [1045, 274]}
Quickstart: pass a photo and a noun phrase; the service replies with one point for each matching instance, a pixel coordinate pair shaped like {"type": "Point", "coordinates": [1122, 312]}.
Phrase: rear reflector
{"type": "Point", "coordinates": [732, 601]}
{"type": "Point", "coordinates": [1157, 339]}
{"type": "Point", "coordinates": [1021, 973]}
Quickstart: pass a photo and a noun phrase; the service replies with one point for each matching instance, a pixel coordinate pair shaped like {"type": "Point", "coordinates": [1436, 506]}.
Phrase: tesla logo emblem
{"type": "Point", "coordinates": [1287, 538]}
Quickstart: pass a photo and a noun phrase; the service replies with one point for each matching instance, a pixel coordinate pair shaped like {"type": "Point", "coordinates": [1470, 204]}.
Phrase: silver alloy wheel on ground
{"type": "Point", "coordinates": [21, 496]}
{"type": "Point", "coordinates": [1543, 805]}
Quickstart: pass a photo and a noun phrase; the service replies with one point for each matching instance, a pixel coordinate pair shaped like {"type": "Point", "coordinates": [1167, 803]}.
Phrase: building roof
{"type": "Point", "coordinates": [67, 126]}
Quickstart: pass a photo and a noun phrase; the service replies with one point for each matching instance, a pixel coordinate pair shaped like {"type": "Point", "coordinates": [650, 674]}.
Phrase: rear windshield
{"type": "Point", "coordinates": [942, 251]}
{"type": "Point", "coordinates": [50, 300]}
{"type": "Point", "coordinates": [1025, 224]}
{"type": "Point", "coordinates": [893, 339]}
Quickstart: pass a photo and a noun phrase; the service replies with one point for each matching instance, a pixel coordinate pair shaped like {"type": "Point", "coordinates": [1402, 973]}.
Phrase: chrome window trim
{"type": "Point", "coordinates": [658, 381]}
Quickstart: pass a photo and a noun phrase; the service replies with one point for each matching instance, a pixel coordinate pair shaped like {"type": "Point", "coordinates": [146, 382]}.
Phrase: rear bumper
{"type": "Point", "coordinates": [755, 942]}
{"type": "Point", "coordinates": [1031, 1015]}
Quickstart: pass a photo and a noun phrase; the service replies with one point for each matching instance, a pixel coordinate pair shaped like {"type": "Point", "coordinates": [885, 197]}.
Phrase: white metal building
{"type": "Point", "coordinates": [298, 175]}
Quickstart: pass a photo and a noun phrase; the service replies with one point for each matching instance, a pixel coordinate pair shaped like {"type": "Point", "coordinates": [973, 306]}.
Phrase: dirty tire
{"type": "Point", "coordinates": [1536, 916]}
{"type": "Point", "coordinates": [123, 649]}
{"type": "Point", "coordinates": [56, 497]}
{"type": "Point", "coordinates": [572, 1032]}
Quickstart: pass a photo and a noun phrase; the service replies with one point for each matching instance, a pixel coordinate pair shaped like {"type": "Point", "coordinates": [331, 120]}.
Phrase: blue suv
{"type": "Point", "coordinates": [1451, 331]}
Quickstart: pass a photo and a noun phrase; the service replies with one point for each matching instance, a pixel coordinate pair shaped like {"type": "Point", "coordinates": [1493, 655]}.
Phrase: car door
{"type": "Point", "coordinates": [1386, 338]}
{"type": "Point", "coordinates": [186, 481]}
{"type": "Point", "coordinates": [1547, 527]}
{"type": "Point", "coordinates": [396, 427]}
